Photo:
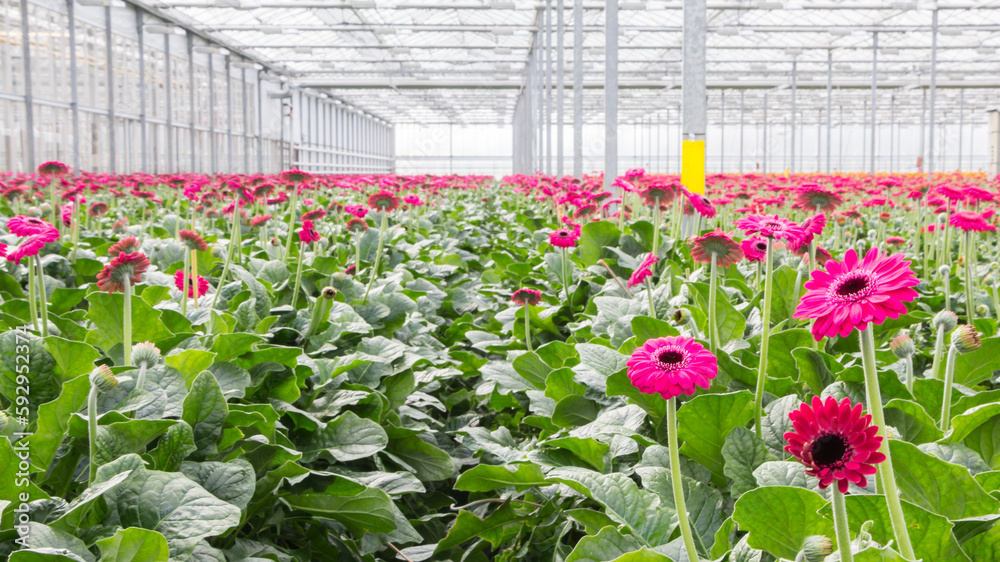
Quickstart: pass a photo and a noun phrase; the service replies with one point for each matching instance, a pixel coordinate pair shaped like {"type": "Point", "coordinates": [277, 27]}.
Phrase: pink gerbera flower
{"type": "Point", "coordinates": [771, 227]}
{"type": "Point", "coordinates": [259, 220]}
{"type": "Point", "coordinates": [529, 297]}
{"type": "Point", "coordinates": [413, 200]}
{"type": "Point", "coordinates": [383, 201]}
{"type": "Point", "coordinates": [307, 234]}
{"type": "Point", "coordinates": [179, 283]}
{"type": "Point", "coordinates": [970, 221]}
{"type": "Point", "coordinates": [754, 249]}
{"type": "Point", "coordinates": [671, 366]}
{"type": "Point", "coordinates": [835, 442]}
{"type": "Point", "coordinates": [126, 266]}
{"type": "Point", "coordinates": [192, 240]}
{"type": "Point", "coordinates": [26, 248]}
{"type": "Point", "coordinates": [852, 293]}
{"type": "Point", "coordinates": [701, 204]}
{"type": "Point", "coordinates": [314, 214]}
{"type": "Point", "coordinates": [52, 168]}
{"type": "Point", "coordinates": [128, 245]}
{"type": "Point", "coordinates": [644, 270]}
{"type": "Point", "coordinates": [816, 198]}
{"type": "Point", "coordinates": [22, 225]}
{"type": "Point", "coordinates": [719, 243]}
{"type": "Point", "coordinates": [563, 238]}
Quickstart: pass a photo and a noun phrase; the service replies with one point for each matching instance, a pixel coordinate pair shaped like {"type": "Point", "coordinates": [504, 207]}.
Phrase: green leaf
{"type": "Point", "coordinates": [780, 363]}
{"type": "Point", "coordinates": [53, 420]}
{"type": "Point", "coordinates": [646, 328]}
{"type": "Point", "coordinates": [429, 463]}
{"type": "Point", "coordinates": [730, 321]}
{"type": "Point", "coordinates": [644, 554]}
{"type": "Point", "coordinates": [978, 366]}
{"type": "Point", "coordinates": [231, 481]}
{"type": "Point", "coordinates": [134, 545]}
{"type": "Point", "coordinates": [588, 450]}
{"type": "Point", "coordinates": [912, 421]}
{"type": "Point", "coordinates": [467, 526]}
{"type": "Point", "coordinates": [606, 545]}
{"type": "Point", "coordinates": [46, 543]}
{"type": "Point", "coordinates": [930, 534]}
{"type": "Point", "coordinates": [357, 507]}
{"type": "Point", "coordinates": [486, 478]}
{"type": "Point", "coordinates": [783, 301]}
{"type": "Point", "coordinates": [743, 452]}
{"type": "Point", "coordinates": [575, 410]}
{"type": "Point", "coordinates": [230, 346]}
{"type": "Point", "coordinates": [175, 445]}
{"type": "Point", "coordinates": [530, 366]}
{"type": "Point", "coordinates": [816, 368]}
{"type": "Point", "coordinates": [943, 488]}
{"type": "Point", "coordinates": [121, 438]}
{"type": "Point", "coordinates": [985, 546]}
{"type": "Point", "coordinates": [599, 360]}
{"type": "Point", "coordinates": [779, 518]}
{"type": "Point", "coordinates": [73, 358]}
{"type": "Point", "coordinates": [190, 362]}
{"type": "Point", "coordinates": [705, 421]}
{"type": "Point", "coordinates": [776, 423]}
{"type": "Point", "coordinates": [704, 504]}
{"type": "Point", "coordinates": [346, 438]}
{"type": "Point", "coordinates": [106, 312]}
{"type": "Point", "coordinates": [205, 411]}
{"type": "Point", "coordinates": [594, 238]}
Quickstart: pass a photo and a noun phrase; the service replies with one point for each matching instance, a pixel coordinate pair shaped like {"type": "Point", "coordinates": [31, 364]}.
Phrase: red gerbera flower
{"type": "Point", "coordinates": [815, 198]}
{"type": "Point", "coordinates": [383, 201]}
{"type": "Point", "coordinates": [523, 297]}
{"type": "Point", "coordinates": [295, 176]}
{"type": "Point", "coordinates": [719, 243]}
{"type": "Point", "coordinates": [835, 442]}
{"type": "Point", "coordinates": [644, 270]}
{"type": "Point", "coordinates": [258, 220]}
{"type": "Point", "coordinates": [357, 225]}
{"type": "Point", "coordinates": [852, 293]}
{"type": "Point", "coordinates": [671, 366]}
{"type": "Point", "coordinates": [128, 245]}
{"type": "Point", "coordinates": [126, 266]}
{"type": "Point", "coordinates": [563, 238]}
{"type": "Point", "coordinates": [314, 214]}
{"type": "Point", "coordinates": [202, 284]}
{"type": "Point", "coordinates": [192, 240]}
{"type": "Point", "coordinates": [658, 192]}
{"type": "Point", "coordinates": [52, 168]}
{"type": "Point", "coordinates": [98, 209]}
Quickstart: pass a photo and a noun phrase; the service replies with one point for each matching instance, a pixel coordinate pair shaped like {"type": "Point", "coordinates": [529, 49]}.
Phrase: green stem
{"type": "Point", "coordinates": [970, 255]}
{"type": "Point", "coordinates": [378, 254]}
{"type": "Point", "coordinates": [996, 300]}
{"type": "Point", "coordinates": [675, 478]}
{"type": "Point", "coordinates": [52, 201]}
{"type": "Point", "coordinates": [946, 284]}
{"type": "Point", "coordinates": [649, 295]}
{"type": "Point", "coordinates": [758, 409]}
{"type": "Point", "coordinates": [357, 255]}
{"type": "Point", "coordinates": [566, 280]}
{"type": "Point", "coordinates": [909, 374]}
{"type": "Point", "coordinates": [229, 260]}
{"type": "Point", "coordinates": [291, 221]}
{"type": "Point", "coordinates": [656, 228]}
{"type": "Point", "coordinates": [886, 473]}
{"type": "Point", "coordinates": [32, 299]}
{"type": "Point", "coordinates": [713, 286]}
{"type": "Point", "coordinates": [140, 380]}
{"type": "Point", "coordinates": [92, 430]}
{"type": "Point", "coordinates": [127, 322]}
{"type": "Point", "coordinates": [527, 327]}
{"type": "Point", "coordinates": [298, 273]}
{"type": "Point", "coordinates": [840, 526]}
{"type": "Point", "coordinates": [938, 350]}
{"type": "Point", "coordinates": [184, 294]}
{"type": "Point", "coordinates": [949, 378]}
{"type": "Point", "coordinates": [42, 297]}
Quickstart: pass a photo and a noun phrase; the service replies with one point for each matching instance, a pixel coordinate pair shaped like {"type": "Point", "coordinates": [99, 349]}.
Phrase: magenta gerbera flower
{"type": "Point", "coordinates": [771, 227]}
{"type": "Point", "coordinates": [701, 204]}
{"type": "Point", "coordinates": [201, 283]}
{"type": "Point", "coordinates": [671, 366]}
{"type": "Point", "coordinates": [127, 245]}
{"type": "Point", "coordinates": [852, 293]}
{"type": "Point", "coordinates": [754, 249]}
{"type": "Point", "coordinates": [644, 270]}
{"type": "Point", "coordinates": [816, 198]}
{"type": "Point", "coordinates": [970, 221]}
{"type": "Point", "coordinates": [22, 225]}
{"type": "Point", "coordinates": [383, 201]}
{"type": "Point", "coordinates": [835, 442]}
{"type": "Point", "coordinates": [130, 266]}
{"type": "Point", "coordinates": [563, 238]}
{"type": "Point", "coordinates": [26, 248]}
{"type": "Point", "coordinates": [192, 240]}
{"type": "Point", "coordinates": [307, 234]}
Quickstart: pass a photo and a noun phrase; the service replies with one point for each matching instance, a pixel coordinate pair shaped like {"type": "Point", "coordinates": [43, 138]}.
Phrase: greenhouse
{"type": "Point", "coordinates": [476, 280]}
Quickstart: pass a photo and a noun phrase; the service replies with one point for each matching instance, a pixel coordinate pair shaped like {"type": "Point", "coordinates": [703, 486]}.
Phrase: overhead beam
{"type": "Point", "coordinates": [439, 83]}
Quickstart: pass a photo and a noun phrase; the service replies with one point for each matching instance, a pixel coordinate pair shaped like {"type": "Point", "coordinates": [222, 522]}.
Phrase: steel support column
{"type": "Point", "coordinates": [961, 124]}
{"type": "Point", "coordinates": [611, 95]}
{"type": "Point", "coordinates": [548, 87]}
{"type": "Point", "coordinates": [246, 121]}
{"type": "Point", "coordinates": [143, 147]}
{"type": "Point", "coordinates": [213, 164]}
{"type": "Point", "coordinates": [739, 168]}
{"type": "Point", "coordinates": [74, 103]}
{"type": "Point", "coordinates": [578, 88]}
{"type": "Point", "coordinates": [874, 131]}
{"type": "Point", "coordinates": [923, 130]}
{"type": "Point", "coordinates": [795, 86]}
{"type": "Point", "coordinates": [722, 133]}
{"type": "Point", "coordinates": [260, 124]}
{"type": "Point", "coordinates": [560, 84]}
{"type": "Point", "coordinates": [694, 95]}
{"type": "Point", "coordinates": [109, 57]}
{"type": "Point", "coordinates": [169, 93]}
{"type": "Point", "coordinates": [29, 106]}
{"type": "Point", "coordinates": [764, 134]}
{"type": "Point", "coordinates": [933, 92]}
{"type": "Point", "coordinates": [191, 89]}
{"type": "Point", "coordinates": [829, 106]}
{"type": "Point", "coordinates": [892, 133]}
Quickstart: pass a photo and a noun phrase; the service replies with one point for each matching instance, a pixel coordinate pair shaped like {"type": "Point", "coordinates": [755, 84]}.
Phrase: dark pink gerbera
{"type": "Point", "coordinates": [98, 209]}
{"type": "Point", "coordinates": [413, 200]}
{"type": "Point", "coordinates": [356, 210]}
{"type": "Point", "coordinates": [26, 248]}
{"type": "Point", "coordinates": [357, 225]}
{"type": "Point", "coordinates": [307, 234]}
{"type": "Point", "coordinates": [817, 199]}
{"type": "Point", "coordinates": [129, 266]}
{"type": "Point", "coordinates": [970, 221]}
{"type": "Point", "coordinates": [383, 201]}
{"type": "Point", "coordinates": [202, 284]}
{"type": "Point", "coordinates": [52, 168]}
{"type": "Point", "coordinates": [22, 225]}
{"type": "Point", "coordinates": [771, 227]}
{"type": "Point", "coordinates": [314, 214]}
{"type": "Point", "coordinates": [754, 249]}
{"type": "Point", "coordinates": [128, 245]}
{"type": "Point", "coordinates": [192, 240]}
{"type": "Point", "coordinates": [658, 193]}
{"type": "Point", "coordinates": [671, 366]}
{"type": "Point", "coordinates": [852, 293]}
{"type": "Point", "coordinates": [835, 442]}
{"type": "Point", "coordinates": [563, 238]}
{"type": "Point", "coordinates": [295, 176]}
{"type": "Point", "coordinates": [258, 220]}
{"type": "Point", "coordinates": [701, 204]}
{"type": "Point", "coordinates": [814, 225]}
{"type": "Point", "coordinates": [644, 270]}
{"type": "Point", "coordinates": [529, 297]}
{"type": "Point", "coordinates": [719, 243]}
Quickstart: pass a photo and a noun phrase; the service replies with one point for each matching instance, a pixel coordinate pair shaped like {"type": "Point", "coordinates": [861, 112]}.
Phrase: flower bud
{"type": "Point", "coordinates": [944, 271]}
{"type": "Point", "coordinates": [884, 217]}
{"type": "Point", "coordinates": [872, 234]}
{"type": "Point", "coordinates": [982, 310]}
{"type": "Point", "coordinates": [902, 346]}
{"type": "Point", "coordinates": [103, 379]}
{"type": "Point", "coordinates": [945, 320]}
{"type": "Point", "coordinates": [815, 548]}
{"type": "Point", "coordinates": [961, 261]}
{"type": "Point", "coordinates": [145, 352]}
{"type": "Point", "coordinates": [328, 293]}
{"type": "Point", "coordinates": [681, 316]}
{"type": "Point", "coordinates": [35, 211]}
{"type": "Point", "coordinates": [965, 338]}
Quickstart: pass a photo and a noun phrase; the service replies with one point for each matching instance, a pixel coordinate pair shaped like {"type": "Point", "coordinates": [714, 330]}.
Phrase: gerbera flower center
{"type": "Point", "coordinates": [670, 358]}
{"type": "Point", "coordinates": [855, 288]}
{"type": "Point", "coordinates": [829, 450]}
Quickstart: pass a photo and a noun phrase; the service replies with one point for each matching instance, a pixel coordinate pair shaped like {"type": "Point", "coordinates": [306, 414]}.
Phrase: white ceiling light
{"type": "Point", "coordinates": [793, 52]}
{"type": "Point", "coordinates": [758, 66]}
{"type": "Point", "coordinates": [950, 31]}
{"type": "Point", "coordinates": [303, 50]}
{"type": "Point", "coordinates": [729, 31]}
{"type": "Point", "coordinates": [249, 4]}
{"type": "Point", "coordinates": [206, 49]}
{"type": "Point", "coordinates": [502, 5]}
{"type": "Point", "coordinates": [840, 32]}
{"type": "Point", "coordinates": [632, 6]}
{"type": "Point", "coordinates": [159, 29]}
{"type": "Point", "coordinates": [770, 5]}
{"type": "Point", "coordinates": [400, 50]}
{"type": "Point", "coordinates": [890, 51]}
{"type": "Point", "coordinates": [502, 51]}
{"type": "Point", "coordinates": [245, 65]}
{"type": "Point", "coordinates": [226, 4]}
{"type": "Point", "coordinates": [904, 5]}
{"type": "Point", "coordinates": [986, 50]}
{"type": "Point", "coordinates": [269, 29]}
{"type": "Point", "coordinates": [503, 31]}
{"type": "Point", "coordinates": [362, 3]}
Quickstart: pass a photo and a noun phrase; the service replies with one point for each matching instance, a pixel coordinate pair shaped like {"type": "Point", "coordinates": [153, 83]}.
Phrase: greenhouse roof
{"type": "Point", "coordinates": [463, 61]}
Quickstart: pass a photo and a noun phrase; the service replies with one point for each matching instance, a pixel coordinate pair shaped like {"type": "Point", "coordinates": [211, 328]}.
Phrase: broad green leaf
{"type": "Point", "coordinates": [646, 328]}
{"type": "Point", "coordinates": [912, 421]}
{"type": "Point", "coordinates": [930, 534]}
{"type": "Point", "coordinates": [357, 507]}
{"type": "Point", "coordinates": [428, 462]}
{"type": "Point", "coordinates": [134, 545]}
{"type": "Point", "coordinates": [467, 526]}
{"type": "Point", "coordinates": [53, 420]}
{"type": "Point", "coordinates": [599, 360]}
{"type": "Point", "coordinates": [175, 445]}
{"type": "Point", "coordinates": [779, 518]}
{"type": "Point", "coordinates": [231, 481]}
{"type": "Point", "coordinates": [530, 366]}
{"type": "Point", "coordinates": [106, 311]}
{"type": "Point", "coordinates": [704, 504]}
{"type": "Point", "coordinates": [46, 543]}
{"type": "Point", "coordinates": [743, 452]}
{"type": "Point", "coordinates": [486, 478]}
{"type": "Point", "coordinates": [121, 438]}
{"type": "Point", "coordinates": [979, 365]}
{"type": "Point", "coordinates": [594, 238]}
{"type": "Point", "coordinates": [190, 363]}
{"type": "Point", "coordinates": [644, 554]}
{"type": "Point", "coordinates": [730, 321]}
{"type": "Point", "coordinates": [933, 484]}
{"type": "Point", "coordinates": [73, 358]}
{"type": "Point", "coordinates": [705, 421]}
{"type": "Point", "coordinates": [205, 411]}
{"type": "Point", "coordinates": [780, 362]}
{"type": "Point", "coordinates": [606, 545]}
{"type": "Point", "coordinates": [346, 438]}
{"type": "Point", "coordinates": [575, 410]}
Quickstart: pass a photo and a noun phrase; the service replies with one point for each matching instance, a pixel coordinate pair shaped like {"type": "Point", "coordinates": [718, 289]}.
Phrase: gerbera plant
{"type": "Point", "coordinates": [717, 249]}
{"type": "Point", "coordinates": [526, 298]}
{"type": "Point", "coordinates": [852, 295]}
{"type": "Point", "coordinates": [384, 202]}
{"type": "Point", "coordinates": [119, 276]}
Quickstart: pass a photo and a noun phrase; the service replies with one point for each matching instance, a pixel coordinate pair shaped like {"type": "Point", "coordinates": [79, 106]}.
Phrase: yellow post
{"type": "Point", "coordinates": [693, 166]}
